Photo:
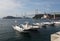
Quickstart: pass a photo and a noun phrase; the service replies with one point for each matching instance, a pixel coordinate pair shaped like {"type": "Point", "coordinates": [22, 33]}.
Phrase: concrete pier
{"type": "Point", "coordinates": [55, 36]}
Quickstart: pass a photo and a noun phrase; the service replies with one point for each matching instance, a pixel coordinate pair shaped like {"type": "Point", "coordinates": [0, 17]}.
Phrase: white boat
{"type": "Point", "coordinates": [47, 23]}
{"type": "Point", "coordinates": [57, 22]}
{"type": "Point", "coordinates": [25, 27]}
{"type": "Point", "coordinates": [44, 23]}
{"type": "Point", "coordinates": [18, 28]}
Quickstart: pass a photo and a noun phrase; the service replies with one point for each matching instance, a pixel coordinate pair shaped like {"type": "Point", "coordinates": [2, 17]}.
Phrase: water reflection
{"type": "Point", "coordinates": [32, 36]}
{"type": "Point", "coordinates": [23, 36]}
{"type": "Point", "coordinates": [12, 35]}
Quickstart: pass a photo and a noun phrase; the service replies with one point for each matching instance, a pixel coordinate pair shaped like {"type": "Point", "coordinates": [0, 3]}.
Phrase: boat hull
{"type": "Point", "coordinates": [19, 29]}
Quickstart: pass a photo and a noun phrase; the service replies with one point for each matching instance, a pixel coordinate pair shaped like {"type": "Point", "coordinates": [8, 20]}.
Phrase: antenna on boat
{"type": "Point", "coordinates": [16, 23]}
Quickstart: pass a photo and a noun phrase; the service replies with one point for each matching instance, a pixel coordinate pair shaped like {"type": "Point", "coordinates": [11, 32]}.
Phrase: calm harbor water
{"type": "Point", "coordinates": [7, 33]}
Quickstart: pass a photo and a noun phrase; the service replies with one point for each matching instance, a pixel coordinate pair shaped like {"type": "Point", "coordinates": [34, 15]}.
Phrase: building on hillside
{"type": "Point", "coordinates": [49, 16]}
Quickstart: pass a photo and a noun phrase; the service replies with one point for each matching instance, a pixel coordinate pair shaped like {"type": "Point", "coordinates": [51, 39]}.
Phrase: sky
{"type": "Point", "coordinates": [27, 7]}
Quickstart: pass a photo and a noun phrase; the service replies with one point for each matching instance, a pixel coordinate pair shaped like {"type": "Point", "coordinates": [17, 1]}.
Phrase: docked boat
{"type": "Point", "coordinates": [48, 23]}
{"type": "Point", "coordinates": [45, 22]}
{"type": "Point", "coordinates": [25, 27]}
{"type": "Point", "coordinates": [57, 22]}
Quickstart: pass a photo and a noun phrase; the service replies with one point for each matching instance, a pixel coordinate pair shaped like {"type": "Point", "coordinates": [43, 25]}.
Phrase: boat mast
{"type": "Point", "coordinates": [36, 11]}
{"type": "Point", "coordinates": [54, 16]}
